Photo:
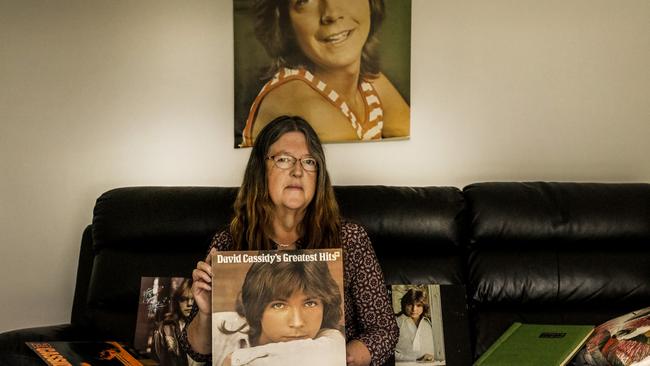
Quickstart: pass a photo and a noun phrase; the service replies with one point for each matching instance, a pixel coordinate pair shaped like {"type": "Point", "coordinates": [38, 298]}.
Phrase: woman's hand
{"type": "Point", "coordinates": [357, 354]}
{"type": "Point", "coordinates": [199, 331]}
{"type": "Point", "coordinates": [202, 284]}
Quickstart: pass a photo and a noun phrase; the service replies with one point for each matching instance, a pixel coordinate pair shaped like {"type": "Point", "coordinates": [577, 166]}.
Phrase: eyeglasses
{"type": "Point", "coordinates": [287, 162]}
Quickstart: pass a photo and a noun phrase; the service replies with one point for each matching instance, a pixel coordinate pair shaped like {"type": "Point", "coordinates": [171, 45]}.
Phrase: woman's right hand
{"type": "Point", "coordinates": [202, 284]}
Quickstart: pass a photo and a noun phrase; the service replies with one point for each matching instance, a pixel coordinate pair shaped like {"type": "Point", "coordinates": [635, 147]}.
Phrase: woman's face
{"type": "Point", "coordinates": [331, 33]}
{"type": "Point", "coordinates": [298, 317]}
{"type": "Point", "coordinates": [293, 188]}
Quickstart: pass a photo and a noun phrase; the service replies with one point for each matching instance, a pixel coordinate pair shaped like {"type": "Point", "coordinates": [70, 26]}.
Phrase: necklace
{"type": "Point", "coordinates": [282, 246]}
{"type": "Point", "coordinates": [295, 244]}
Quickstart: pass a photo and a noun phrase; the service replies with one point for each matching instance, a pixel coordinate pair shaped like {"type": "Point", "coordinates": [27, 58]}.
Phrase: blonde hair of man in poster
{"type": "Point", "coordinates": [343, 65]}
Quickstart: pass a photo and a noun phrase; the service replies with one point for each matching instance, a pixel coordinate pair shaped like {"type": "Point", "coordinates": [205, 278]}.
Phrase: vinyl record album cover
{"type": "Point", "coordinates": [84, 353]}
{"type": "Point", "coordinates": [433, 324]}
{"type": "Point", "coordinates": [278, 308]}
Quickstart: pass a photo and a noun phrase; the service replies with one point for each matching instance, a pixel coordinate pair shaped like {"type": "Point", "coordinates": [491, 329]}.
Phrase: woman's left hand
{"type": "Point", "coordinates": [357, 354]}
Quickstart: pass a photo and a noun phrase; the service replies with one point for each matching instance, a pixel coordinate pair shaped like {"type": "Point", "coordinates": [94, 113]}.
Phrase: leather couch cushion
{"type": "Point", "coordinates": [416, 231]}
{"type": "Point", "coordinates": [556, 253]}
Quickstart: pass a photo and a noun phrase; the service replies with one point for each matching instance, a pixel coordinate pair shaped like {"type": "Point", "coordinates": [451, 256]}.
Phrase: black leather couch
{"type": "Point", "coordinates": [531, 252]}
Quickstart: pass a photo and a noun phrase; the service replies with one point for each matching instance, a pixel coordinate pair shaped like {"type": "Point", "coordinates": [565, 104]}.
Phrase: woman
{"type": "Point", "coordinates": [165, 337]}
{"type": "Point", "coordinates": [286, 202]}
{"type": "Point", "coordinates": [326, 69]}
{"type": "Point", "coordinates": [287, 312]}
{"type": "Point", "coordinates": [415, 332]}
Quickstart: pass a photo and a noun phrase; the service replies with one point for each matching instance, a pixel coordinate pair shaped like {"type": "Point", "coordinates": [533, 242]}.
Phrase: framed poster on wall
{"type": "Point", "coordinates": [344, 66]}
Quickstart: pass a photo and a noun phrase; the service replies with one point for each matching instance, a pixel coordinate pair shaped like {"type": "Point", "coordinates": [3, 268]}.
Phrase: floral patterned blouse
{"type": "Point", "coordinates": [369, 316]}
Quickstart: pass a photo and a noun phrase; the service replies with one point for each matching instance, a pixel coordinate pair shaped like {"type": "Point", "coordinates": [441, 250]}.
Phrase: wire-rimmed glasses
{"type": "Point", "coordinates": [284, 161]}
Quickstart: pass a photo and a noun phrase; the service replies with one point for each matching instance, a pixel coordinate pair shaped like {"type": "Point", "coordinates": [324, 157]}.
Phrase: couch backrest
{"type": "Point", "coordinates": [164, 231]}
{"type": "Point", "coordinates": [530, 252]}
{"type": "Point", "coordinates": [556, 253]}
{"type": "Point", "coordinates": [146, 231]}
{"type": "Point", "coordinates": [416, 231]}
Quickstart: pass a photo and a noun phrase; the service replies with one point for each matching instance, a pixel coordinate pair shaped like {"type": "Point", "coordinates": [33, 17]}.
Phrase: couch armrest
{"type": "Point", "coordinates": [14, 349]}
{"type": "Point", "coordinates": [84, 270]}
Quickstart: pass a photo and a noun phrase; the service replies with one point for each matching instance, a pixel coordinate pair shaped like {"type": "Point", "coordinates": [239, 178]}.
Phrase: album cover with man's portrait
{"type": "Point", "coordinates": [343, 66]}
{"type": "Point", "coordinates": [433, 325]}
{"type": "Point", "coordinates": [164, 306]}
{"type": "Point", "coordinates": [278, 308]}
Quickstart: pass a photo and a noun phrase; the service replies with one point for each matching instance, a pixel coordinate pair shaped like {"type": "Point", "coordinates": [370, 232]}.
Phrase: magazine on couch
{"type": "Point", "coordinates": [624, 340]}
{"type": "Point", "coordinates": [278, 307]}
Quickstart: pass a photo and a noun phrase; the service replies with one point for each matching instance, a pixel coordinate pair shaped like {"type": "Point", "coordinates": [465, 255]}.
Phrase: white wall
{"type": "Point", "coordinates": [100, 94]}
